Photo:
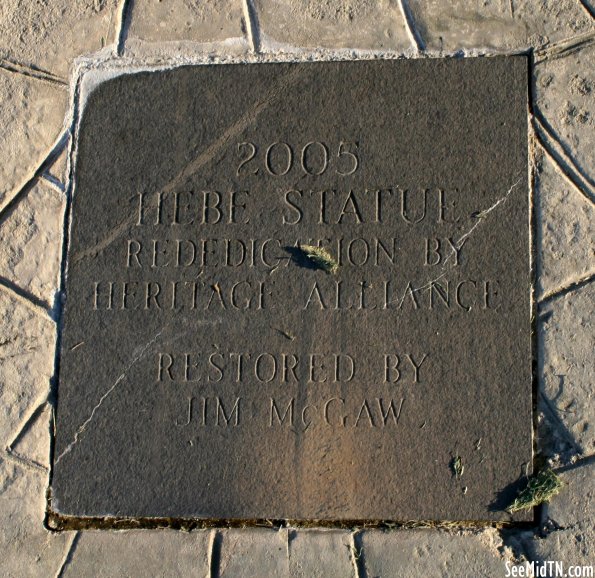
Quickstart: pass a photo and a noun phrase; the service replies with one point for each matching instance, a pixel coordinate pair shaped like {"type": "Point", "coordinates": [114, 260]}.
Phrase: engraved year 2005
{"type": "Point", "coordinates": [313, 158]}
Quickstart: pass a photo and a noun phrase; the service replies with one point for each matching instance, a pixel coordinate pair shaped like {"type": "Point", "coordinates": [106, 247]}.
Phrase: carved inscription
{"type": "Point", "coordinates": [297, 291]}
{"type": "Point", "coordinates": [180, 235]}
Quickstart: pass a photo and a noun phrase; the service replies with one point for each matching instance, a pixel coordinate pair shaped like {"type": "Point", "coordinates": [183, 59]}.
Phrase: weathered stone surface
{"type": "Point", "coordinates": [414, 553]}
{"type": "Point", "coordinates": [27, 548]}
{"type": "Point", "coordinates": [480, 25]}
{"type": "Point", "coordinates": [320, 554]}
{"type": "Point", "coordinates": [567, 342]}
{"type": "Point", "coordinates": [31, 116]}
{"type": "Point", "coordinates": [138, 554]}
{"type": "Point", "coordinates": [31, 242]}
{"type": "Point", "coordinates": [296, 418]}
{"type": "Point", "coordinates": [565, 96]}
{"type": "Point", "coordinates": [331, 24]}
{"type": "Point", "coordinates": [26, 362]}
{"type": "Point", "coordinates": [50, 35]}
{"type": "Point", "coordinates": [566, 229]}
{"type": "Point", "coordinates": [185, 26]}
{"type": "Point", "coordinates": [251, 552]}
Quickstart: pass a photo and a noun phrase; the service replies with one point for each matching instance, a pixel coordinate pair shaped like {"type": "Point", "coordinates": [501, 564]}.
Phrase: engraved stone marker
{"type": "Point", "coordinates": [213, 366]}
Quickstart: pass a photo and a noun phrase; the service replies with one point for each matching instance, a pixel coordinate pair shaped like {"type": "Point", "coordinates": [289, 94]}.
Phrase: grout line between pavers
{"type": "Point", "coordinates": [122, 26]}
{"type": "Point", "coordinates": [15, 67]}
{"type": "Point", "coordinates": [554, 149]}
{"type": "Point", "coordinates": [55, 151]}
{"type": "Point", "coordinates": [29, 419]}
{"type": "Point", "coordinates": [587, 8]}
{"type": "Point", "coordinates": [69, 554]}
{"type": "Point", "coordinates": [563, 47]}
{"type": "Point", "coordinates": [53, 182]}
{"type": "Point", "coordinates": [25, 462]}
{"type": "Point", "coordinates": [356, 551]}
{"type": "Point", "coordinates": [214, 556]}
{"type": "Point", "coordinates": [412, 32]}
{"type": "Point", "coordinates": [251, 22]}
{"type": "Point", "coordinates": [35, 304]}
{"type": "Point", "coordinates": [581, 462]}
{"type": "Point", "coordinates": [566, 289]}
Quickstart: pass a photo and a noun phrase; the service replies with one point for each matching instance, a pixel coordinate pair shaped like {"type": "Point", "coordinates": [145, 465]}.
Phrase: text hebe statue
{"type": "Point", "coordinates": [298, 291]}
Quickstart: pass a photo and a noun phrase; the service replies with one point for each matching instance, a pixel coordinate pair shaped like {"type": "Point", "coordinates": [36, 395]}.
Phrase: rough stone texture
{"type": "Point", "coordinates": [572, 515]}
{"type": "Point", "coordinates": [58, 172]}
{"type": "Point", "coordinates": [31, 241]}
{"type": "Point", "coordinates": [26, 362]}
{"type": "Point", "coordinates": [139, 554]}
{"type": "Point", "coordinates": [574, 507]}
{"type": "Point", "coordinates": [320, 554]}
{"type": "Point", "coordinates": [565, 96]}
{"type": "Point", "coordinates": [566, 235]}
{"type": "Point", "coordinates": [184, 26]}
{"type": "Point", "coordinates": [567, 342]}
{"type": "Point", "coordinates": [27, 548]}
{"type": "Point", "coordinates": [252, 553]}
{"type": "Point", "coordinates": [572, 547]}
{"type": "Point", "coordinates": [414, 553]}
{"type": "Point", "coordinates": [33, 442]}
{"type": "Point", "coordinates": [331, 24]}
{"type": "Point", "coordinates": [31, 116]}
{"type": "Point", "coordinates": [496, 25]}
{"type": "Point", "coordinates": [50, 35]}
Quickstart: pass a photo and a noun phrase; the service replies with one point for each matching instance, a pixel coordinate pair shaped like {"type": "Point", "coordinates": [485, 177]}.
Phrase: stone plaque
{"type": "Point", "coordinates": [214, 364]}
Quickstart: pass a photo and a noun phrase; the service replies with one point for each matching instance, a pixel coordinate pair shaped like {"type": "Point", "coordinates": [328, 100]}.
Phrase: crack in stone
{"type": "Point", "coordinates": [83, 427]}
{"type": "Point", "coordinates": [480, 216]}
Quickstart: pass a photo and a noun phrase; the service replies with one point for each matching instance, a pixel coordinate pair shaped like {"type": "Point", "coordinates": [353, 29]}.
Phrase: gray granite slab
{"type": "Point", "coordinates": [210, 369]}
